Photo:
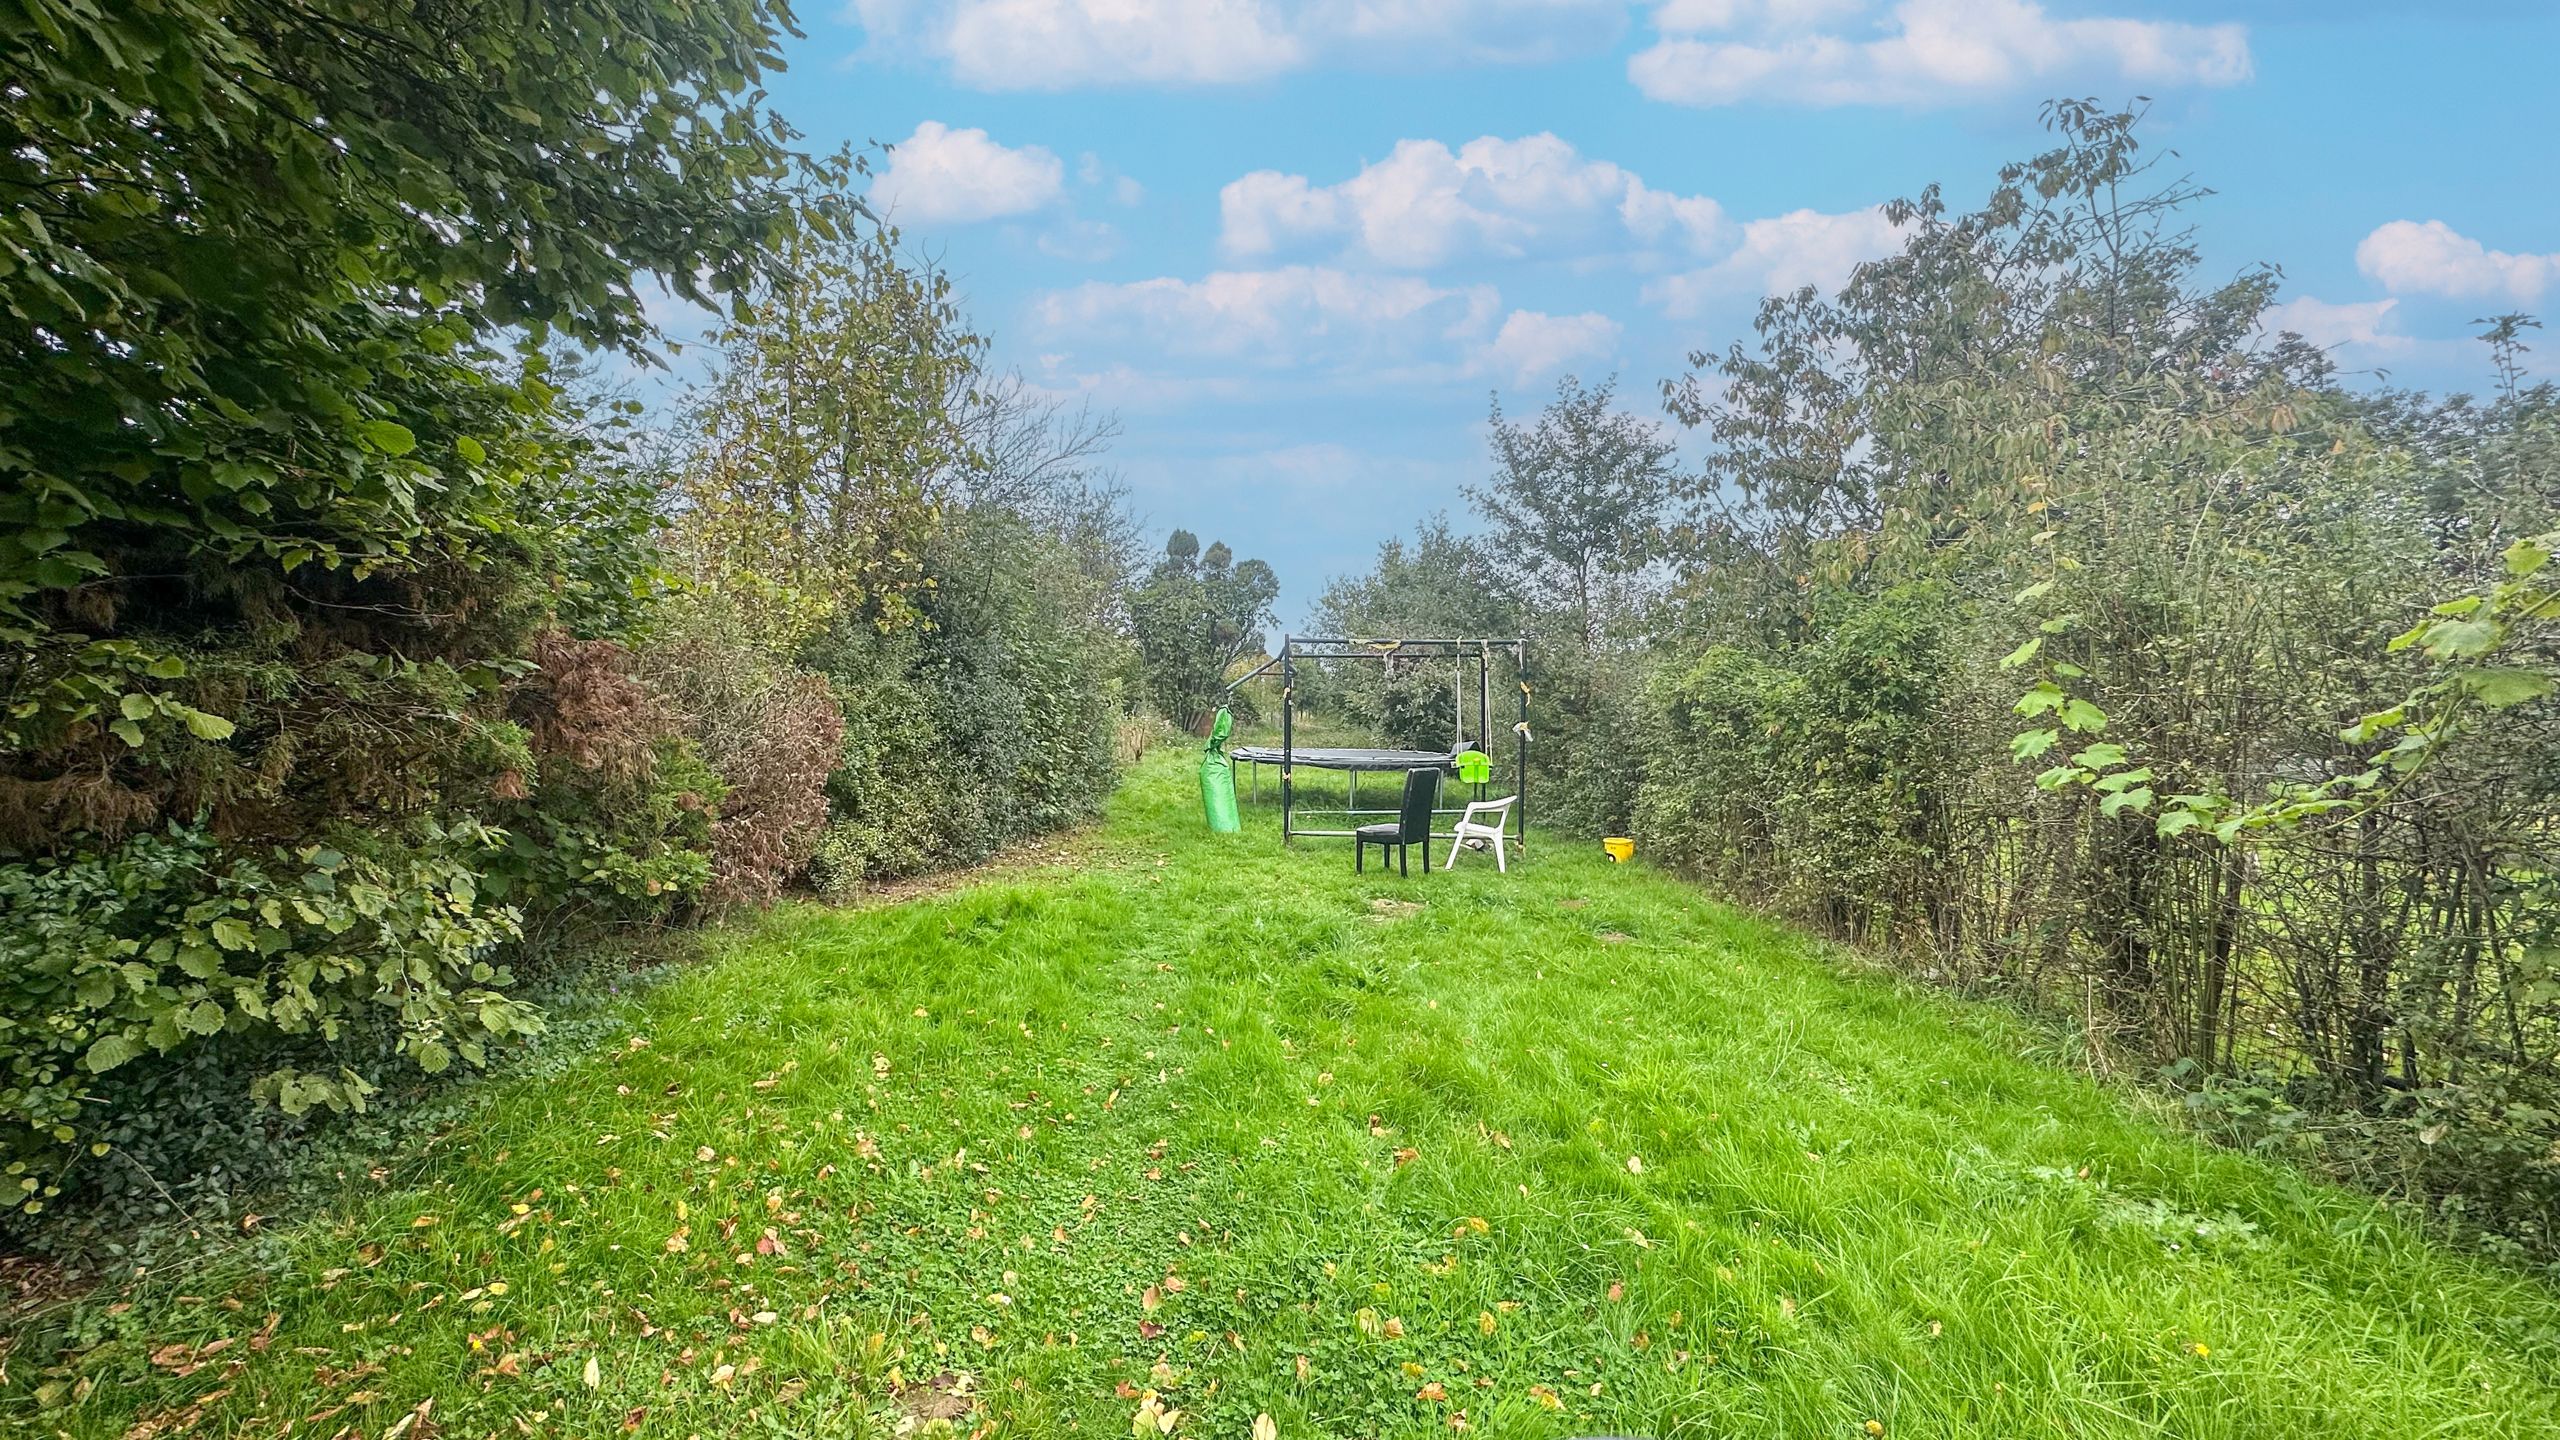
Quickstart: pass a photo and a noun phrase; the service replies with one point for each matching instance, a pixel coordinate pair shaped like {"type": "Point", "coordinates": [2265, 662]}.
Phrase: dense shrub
{"type": "Point", "coordinates": [166, 938]}
{"type": "Point", "coordinates": [2041, 627]}
{"type": "Point", "coordinates": [1834, 760]}
{"type": "Point", "coordinates": [992, 721]}
{"type": "Point", "coordinates": [767, 731]}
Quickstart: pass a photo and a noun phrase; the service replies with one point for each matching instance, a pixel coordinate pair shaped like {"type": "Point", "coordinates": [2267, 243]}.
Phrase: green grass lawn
{"type": "Point", "coordinates": [1191, 1130]}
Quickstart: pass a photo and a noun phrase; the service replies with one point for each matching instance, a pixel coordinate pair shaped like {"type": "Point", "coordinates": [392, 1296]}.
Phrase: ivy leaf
{"type": "Point", "coordinates": [2463, 639]}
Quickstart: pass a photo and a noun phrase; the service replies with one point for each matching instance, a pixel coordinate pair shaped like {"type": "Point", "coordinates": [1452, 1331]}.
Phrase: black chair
{"type": "Point", "coordinates": [1412, 825]}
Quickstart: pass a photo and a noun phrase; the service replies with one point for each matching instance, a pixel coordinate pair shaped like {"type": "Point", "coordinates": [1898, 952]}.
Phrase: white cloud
{"type": "Point", "coordinates": [1531, 344]}
{"type": "Point", "coordinates": [1425, 204]}
{"type": "Point", "coordinates": [2411, 258]}
{"type": "Point", "coordinates": [942, 176]}
{"type": "Point", "coordinates": [1298, 315]}
{"type": "Point", "coordinates": [1062, 44]}
{"type": "Point", "coordinates": [1724, 52]}
{"type": "Point", "coordinates": [2330, 325]}
{"type": "Point", "coordinates": [1779, 254]}
{"type": "Point", "coordinates": [1326, 327]}
{"type": "Point", "coordinates": [1066, 44]}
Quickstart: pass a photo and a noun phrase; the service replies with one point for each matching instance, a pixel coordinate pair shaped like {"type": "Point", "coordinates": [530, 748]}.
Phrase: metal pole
{"type": "Point", "coordinates": [1484, 701]}
{"type": "Point", "coordinates": [1521, 649]}
{"type": "Point", "coordinates": [1288, 741]}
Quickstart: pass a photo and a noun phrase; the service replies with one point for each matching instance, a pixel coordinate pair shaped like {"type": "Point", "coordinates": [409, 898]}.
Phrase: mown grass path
{"type": "Point", "coordinates": [1203, 1130]}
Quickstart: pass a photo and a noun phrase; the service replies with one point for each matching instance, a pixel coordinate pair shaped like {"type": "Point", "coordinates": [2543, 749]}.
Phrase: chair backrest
{"type": "Point", "coordinates": [1421, 797]}
{"type": "Point", "coordinates": [1492, 814]}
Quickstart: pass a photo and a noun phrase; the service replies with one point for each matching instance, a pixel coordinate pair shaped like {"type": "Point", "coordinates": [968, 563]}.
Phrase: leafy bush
{"type": "Point", "coordinates": [994, 720]}
{"type": "Point", "coordinates": [1835, 760]}
{"type": "Point", "coordinates": [768, 732]}
{"type": "Point", "coordinates": [166, 938]}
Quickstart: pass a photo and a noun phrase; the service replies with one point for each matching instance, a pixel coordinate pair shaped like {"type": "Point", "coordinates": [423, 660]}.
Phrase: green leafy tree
{"type": "Point", "coordinates": [257, 262]}
{"type": "Point", "coordinates": [1579, 501]}
{"type": "Point", "coordinates": [819, 457]}
{"type": "Point", "coordinates": [1194, 615]}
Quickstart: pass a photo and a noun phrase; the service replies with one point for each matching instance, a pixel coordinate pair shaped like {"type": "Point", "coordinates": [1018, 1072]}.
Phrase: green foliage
{"type": "Point", "coordinates": [1579, 500]}
{"type": "Point", "coordinates": [1194, 615]}
{"type": "Point", "coordinates": [614, 846]}
{"type": "Point", "coordinates": [824, 448]}
{"type": "Point", "coordinates": [1437, 585]}
{"type": "Point", "coordinates": [993, 722]}
{"type": "Point", "coordinates": [309, 550]}
{"type": "Point", "coordinates": [244, 339]}
{"type": "Point", "coordinates": [1834, 759]}
{"type": "Point", "coordinates": [149, 946]}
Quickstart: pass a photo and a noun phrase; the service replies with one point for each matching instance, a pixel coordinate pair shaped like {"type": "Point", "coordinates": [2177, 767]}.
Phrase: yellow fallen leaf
{"type": "Point", "coordinates": [595, 1373]}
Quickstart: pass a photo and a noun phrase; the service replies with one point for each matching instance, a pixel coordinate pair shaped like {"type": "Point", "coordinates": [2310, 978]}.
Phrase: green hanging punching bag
{"type": "Point", "coordinates": [1218, 778]}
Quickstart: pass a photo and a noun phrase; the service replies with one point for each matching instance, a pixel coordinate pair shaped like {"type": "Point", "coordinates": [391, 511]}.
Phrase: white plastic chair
{"type": "Point", "coordinates": [1479, 827]}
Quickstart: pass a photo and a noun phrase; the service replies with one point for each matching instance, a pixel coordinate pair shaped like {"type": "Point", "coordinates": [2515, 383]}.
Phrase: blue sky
{"type": "Point", "coordinates": [1298, 247]}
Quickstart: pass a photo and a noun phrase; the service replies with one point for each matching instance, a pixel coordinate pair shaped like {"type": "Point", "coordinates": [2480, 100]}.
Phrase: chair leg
{"type": "Point", "coordinates": [1456, 843]}
{"type": "Point", "coordinates": [1499, 863]}
{"type": "Point", "coordinates": [1404, 864]}
{"type": "Point", "coordinates": [1359, 856]}
{"type": "Point", "coordinates": [1426, 855]}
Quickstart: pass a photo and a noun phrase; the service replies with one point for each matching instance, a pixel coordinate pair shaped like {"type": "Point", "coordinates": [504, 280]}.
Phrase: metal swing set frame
{"type": "Point", "coordinates": [1288, 755]}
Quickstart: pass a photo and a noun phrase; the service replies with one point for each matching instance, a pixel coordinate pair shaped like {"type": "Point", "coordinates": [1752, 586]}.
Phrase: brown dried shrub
{"type": "Point", "coordinates": [585, 703]}
{"type": "Point", "coordinates": [777, 803]}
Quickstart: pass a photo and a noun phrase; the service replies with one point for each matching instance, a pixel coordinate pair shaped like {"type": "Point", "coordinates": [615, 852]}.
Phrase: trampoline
{"type": "Point", "coordinates": [1353, 760]}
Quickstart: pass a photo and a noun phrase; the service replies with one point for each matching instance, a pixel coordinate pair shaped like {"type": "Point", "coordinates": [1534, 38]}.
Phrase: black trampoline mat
{"type": "Point", "coordinates": [1345, 759]}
